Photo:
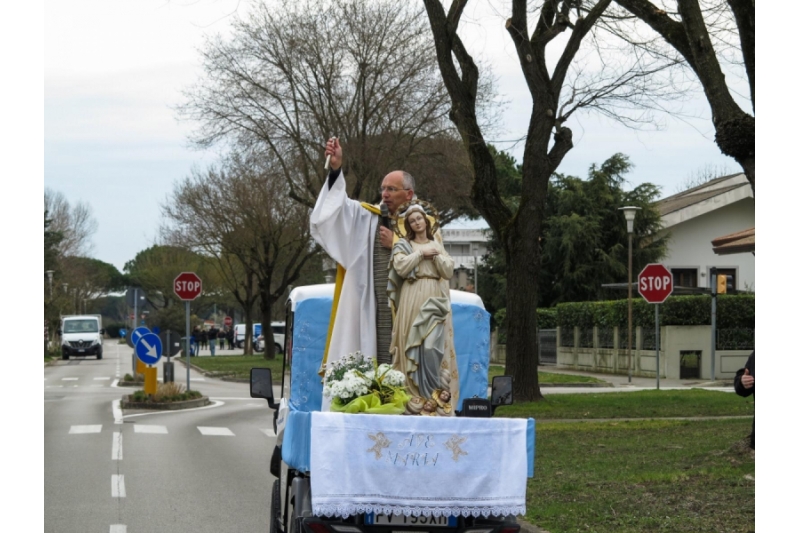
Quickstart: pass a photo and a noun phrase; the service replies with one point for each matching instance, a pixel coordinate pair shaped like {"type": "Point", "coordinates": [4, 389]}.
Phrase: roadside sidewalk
{"type": "Point", "coordinates": [621, 381]}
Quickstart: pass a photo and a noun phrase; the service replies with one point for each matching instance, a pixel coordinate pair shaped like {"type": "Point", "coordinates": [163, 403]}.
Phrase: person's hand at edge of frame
{"type": "Point", "coordinates": [334, 149]}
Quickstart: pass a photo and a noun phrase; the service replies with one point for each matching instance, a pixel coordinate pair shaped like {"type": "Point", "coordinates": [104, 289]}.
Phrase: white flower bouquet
{"type": "Point", "coordinates": [356, 384]}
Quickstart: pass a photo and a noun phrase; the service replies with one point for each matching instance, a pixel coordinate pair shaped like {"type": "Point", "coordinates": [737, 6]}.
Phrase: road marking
{"type": "Point", "coordinates": [117, 486]}
{"type": "Point", "coordinates": [69, 379]}
{"type": "Point", "coordinates": [114, 383]}
{"type": "Point", "coordinates": [74, 430]}
{"type": "Point", "coordinates": [198, 379]}
{"type": "Point", "coordinates": [54, 387]}
{"type": "Point", "coordinates": [269, 432]}
{"type": "Point", "coordinates": [216, 431]}
{"type": "Point", "coordinates": [117, 410]}
{"type": "Point", "coordinates": [102, 379]}
{"type": "Point", "coordinates": [177, 411]}
{"type": "Point", "coordinates": [116, 447]}
{"type": "Point", "coordinates": [118, 528]}
{"type": "Point", "coordinates": [139, 428]}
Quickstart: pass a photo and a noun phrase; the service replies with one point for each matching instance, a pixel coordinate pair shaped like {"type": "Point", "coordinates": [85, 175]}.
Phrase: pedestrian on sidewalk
{"type": "Point", "coordinates": [203, 339]}
{"type": "Point", "coordinates": [229, 336]}
{"type": "Point", "coordinates": [213, 333]}
{"type": "Point", "coordinates": [745, 385]}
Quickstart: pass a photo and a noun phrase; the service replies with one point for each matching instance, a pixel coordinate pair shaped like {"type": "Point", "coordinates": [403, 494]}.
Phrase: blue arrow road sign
{"type": "Point", "coordinates": [137, 334]}
{"type": "Point", "coordinates": [148, 349]}
{"type": "Point", "coordinates": [122, 332]}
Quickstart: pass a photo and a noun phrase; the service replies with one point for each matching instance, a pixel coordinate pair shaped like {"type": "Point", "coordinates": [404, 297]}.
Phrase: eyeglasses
{"type": "Point", "coordinates": [393, 189]}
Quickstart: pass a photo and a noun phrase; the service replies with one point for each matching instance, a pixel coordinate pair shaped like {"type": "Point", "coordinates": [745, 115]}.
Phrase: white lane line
{"type": "Point", "coordinates": [102, 379]}
{"type": "Point", "coordinates": [141, 428]}
{"type": "Point", "coordinates": [117, 486]}
{"type": "Point", "coordinates": [223, 432]}
{"type": "Point", "coordinates": [117, 410]}
{"type": "Point", "coordinates": [54, 387]}
{"type": "Point", "coordinates": [269, 432]}
{"type": "Point", "coordinates": [114, 383]}
{"type": "Point", "coordinates": [69, 379]}
{"type": "Point", "coordinates": [74, 430]}
{"type": "Point", "coordinates": [118, 528]}
{"type": "Point", "coordinates": [116, 447]}
{"type": "Point", "coordinates": [198, 379]}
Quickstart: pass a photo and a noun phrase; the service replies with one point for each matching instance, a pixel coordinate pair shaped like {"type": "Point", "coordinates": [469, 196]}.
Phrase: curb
{"type": "Point", "coordinates": [130, 384]}
{"type": "Point", "coordinates": [166, 406]}
{"type": "Point", "coordinates": [578, 385]}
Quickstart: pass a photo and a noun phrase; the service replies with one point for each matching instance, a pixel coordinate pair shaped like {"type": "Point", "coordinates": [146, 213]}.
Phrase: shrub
{"type": "Point", "coordinates": [166, 392]}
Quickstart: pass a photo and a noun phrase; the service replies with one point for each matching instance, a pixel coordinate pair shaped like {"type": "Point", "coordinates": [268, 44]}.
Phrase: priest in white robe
{"type": "Point", "coordinates": [351, 233]}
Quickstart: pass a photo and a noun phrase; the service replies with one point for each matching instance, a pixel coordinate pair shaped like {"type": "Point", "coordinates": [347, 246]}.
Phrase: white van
{"type": "Point", "coordinates": [238, 334]}
{"type": "Point", "coordinates": [279, 332]}
{"type": "Point", "coordinates": [81, 335]}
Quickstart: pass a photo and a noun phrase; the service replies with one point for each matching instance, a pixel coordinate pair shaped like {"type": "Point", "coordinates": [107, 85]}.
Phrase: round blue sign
{"type": "Point", "coordinates": [148, 349]}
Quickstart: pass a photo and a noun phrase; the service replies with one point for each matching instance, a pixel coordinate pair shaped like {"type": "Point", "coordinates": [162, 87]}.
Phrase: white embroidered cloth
{"type": "Point", "coordinates": [417, 465]}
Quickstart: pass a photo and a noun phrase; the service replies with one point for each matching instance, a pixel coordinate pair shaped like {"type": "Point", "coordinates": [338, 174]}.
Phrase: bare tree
{"type": "Point", "coordinates": [296, 73]}
{"type": "Point", "coordinates": [716, 40]}
{"type": "Point", "coordinates": [560, 83]}
{"type": "Point", "coordinates": [240, 210]}
{"type": "Point", "coordinates": [74, 222]}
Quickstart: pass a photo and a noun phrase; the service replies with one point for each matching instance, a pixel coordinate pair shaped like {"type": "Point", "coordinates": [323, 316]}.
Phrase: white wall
{"type": "Point", "coordinates": [690, 243]}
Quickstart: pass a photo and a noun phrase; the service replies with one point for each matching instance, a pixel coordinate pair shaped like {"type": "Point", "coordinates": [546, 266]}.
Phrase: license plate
{"type": "Point", "coordinates": [403, 520]}
{"type": "Point", "coordinates": [81, 351]}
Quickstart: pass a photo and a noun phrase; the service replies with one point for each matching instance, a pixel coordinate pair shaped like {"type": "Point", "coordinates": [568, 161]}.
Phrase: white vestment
{"type": "Point", "coordinates": [346, 231]}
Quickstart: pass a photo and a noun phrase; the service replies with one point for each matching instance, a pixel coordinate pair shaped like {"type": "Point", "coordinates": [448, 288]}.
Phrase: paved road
{"type": "Point", "coordinates": [194, 470]}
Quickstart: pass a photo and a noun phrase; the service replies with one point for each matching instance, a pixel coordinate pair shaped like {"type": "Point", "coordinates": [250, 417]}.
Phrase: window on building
{"type": "Point", "coordinates": [684, 277]}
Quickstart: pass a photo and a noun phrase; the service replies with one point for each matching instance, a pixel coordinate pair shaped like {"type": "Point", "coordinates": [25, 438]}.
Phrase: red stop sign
{"type": "Point", "coordinates": [228, 321]}
{"type": "Point", "coordinates": [655, 283]}
{"type": "Point", "coordinates": [187, 286]}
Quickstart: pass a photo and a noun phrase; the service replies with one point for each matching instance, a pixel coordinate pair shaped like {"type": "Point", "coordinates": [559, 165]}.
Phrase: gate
{"type": "Point", "coordinates": [547, 347]}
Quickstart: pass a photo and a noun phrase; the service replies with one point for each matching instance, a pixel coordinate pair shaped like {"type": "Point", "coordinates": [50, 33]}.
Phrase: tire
{"type": "Point", "coordinates": [278, 348]}
{"type": "Point", "coordinates": [240, 344]}
{"type": "Point", "coordinates": [256, 348]}
{"type": "Point", "coordinates": [65, 356]}
{"type": "Point", "coordinates": [99, 354]}
{"type": "Point", "coordinates": [275, 508]}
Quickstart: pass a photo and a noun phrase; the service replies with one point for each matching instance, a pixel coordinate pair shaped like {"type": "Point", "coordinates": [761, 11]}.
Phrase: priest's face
{"type": "Point", "coordinates": [393, 193]}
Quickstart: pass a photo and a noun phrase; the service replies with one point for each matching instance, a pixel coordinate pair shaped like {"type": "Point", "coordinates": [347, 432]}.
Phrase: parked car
{"type": "Point", "coordinates": [279, 332]}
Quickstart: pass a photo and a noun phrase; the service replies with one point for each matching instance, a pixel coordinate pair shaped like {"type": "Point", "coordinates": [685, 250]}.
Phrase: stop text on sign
{"type": "Point", "coordinates": [187, 286]}
{"type": "Point", "coordinates": [655, 283]}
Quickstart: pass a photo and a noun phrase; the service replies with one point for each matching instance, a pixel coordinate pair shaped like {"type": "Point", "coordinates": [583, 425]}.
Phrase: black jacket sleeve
{"type": "Point", "coordinates": [332, 175]}
{"type": "Point", "coordinates": [737, 381]}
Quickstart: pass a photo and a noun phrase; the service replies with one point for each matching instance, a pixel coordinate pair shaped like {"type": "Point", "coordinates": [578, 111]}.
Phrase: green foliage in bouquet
{"type": "Point", "coordinates": [356, 384]}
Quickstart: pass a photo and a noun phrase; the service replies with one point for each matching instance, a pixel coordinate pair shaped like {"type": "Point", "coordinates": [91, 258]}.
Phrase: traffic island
{"type": "Point", "coordinates": [130, 402]}
{"type": "Point", "coordinates": [167, 396]}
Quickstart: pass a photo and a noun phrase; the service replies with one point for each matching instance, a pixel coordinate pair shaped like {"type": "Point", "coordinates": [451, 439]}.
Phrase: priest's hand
{"type": "Point", "coordinates": [334, 149]}
{"type": "Point", "coordinates": [387, 235]}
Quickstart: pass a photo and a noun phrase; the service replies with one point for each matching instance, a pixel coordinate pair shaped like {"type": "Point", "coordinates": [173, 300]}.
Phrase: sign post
{"type": "Point", "coordinates": [655, 286]}
{"type": "Point", "coordinates": [187, 287]}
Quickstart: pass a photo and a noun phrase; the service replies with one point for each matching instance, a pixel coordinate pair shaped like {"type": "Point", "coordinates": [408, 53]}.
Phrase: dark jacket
{"type": "Point", "coordinates": [750, 365]}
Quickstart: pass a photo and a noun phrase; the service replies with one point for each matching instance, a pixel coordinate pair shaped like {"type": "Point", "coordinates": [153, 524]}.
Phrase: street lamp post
{"type": "Point", "coordinates": [50, 280]}
{"type": "Point", "coordinates": [630, 214]}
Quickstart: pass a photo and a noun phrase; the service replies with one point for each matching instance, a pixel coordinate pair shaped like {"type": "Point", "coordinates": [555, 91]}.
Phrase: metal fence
{"type": "Point", "coordinates": [547, 347]}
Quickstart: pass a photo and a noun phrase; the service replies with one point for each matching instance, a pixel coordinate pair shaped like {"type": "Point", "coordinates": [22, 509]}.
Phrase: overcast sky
{"type": "Point", "coordinates": [114, 71]}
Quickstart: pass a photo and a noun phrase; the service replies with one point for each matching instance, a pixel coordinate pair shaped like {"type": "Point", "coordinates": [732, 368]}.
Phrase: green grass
{"type": "Point", "coordinates": [546, 377]}
{"type": "Point", "coordinates": [649, 475]}
{"type": "Point", "coordinates": [639, 404]}
{"type": "Point", "coordinates": [238, 366]}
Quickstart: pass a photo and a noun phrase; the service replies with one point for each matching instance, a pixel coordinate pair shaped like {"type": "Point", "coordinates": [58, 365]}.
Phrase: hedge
{"type": "Point", "coordinates": [733, 311]}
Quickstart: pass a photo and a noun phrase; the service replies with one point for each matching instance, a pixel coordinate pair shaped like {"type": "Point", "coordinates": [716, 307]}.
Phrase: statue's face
{"type": "Point", "coordinates": [444, 396]}
{"type": "Point", "coordinates": [417, 222]}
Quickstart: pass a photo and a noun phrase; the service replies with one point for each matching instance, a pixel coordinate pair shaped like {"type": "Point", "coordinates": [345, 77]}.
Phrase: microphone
{"type": "Point", "coordinates": [385, 216]}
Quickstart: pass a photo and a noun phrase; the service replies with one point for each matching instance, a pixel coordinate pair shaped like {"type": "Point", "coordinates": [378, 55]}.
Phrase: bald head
{"type": "Point", "coordinates": [397, 188]}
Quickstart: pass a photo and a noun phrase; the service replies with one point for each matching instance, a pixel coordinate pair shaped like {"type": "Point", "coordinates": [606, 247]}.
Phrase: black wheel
{"type": "Point", "coordinates": [275, 509]}
{"type": "Point", "coordinates": [100, 354]}
{"type": "Point", "coordinates": [240, 344]}
{"type": "Point", "coordinates": [65, 356]}
{"type": "Point", "coordinates": [278, 348]}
